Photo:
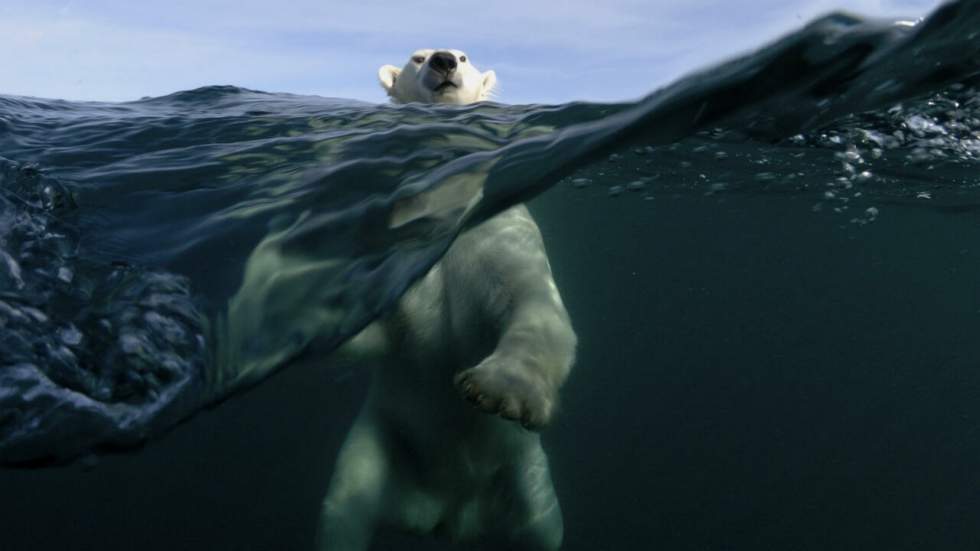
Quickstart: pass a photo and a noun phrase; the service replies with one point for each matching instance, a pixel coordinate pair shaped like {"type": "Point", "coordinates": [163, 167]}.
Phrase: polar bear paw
{"type": "Point", "coordinates": [508, 389]}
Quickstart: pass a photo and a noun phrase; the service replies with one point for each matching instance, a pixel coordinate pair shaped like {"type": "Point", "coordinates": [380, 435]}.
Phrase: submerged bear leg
{"type": "Point", "coordinates": [353, 504]}
{"type": "Point", "coordinates": [527, 506]}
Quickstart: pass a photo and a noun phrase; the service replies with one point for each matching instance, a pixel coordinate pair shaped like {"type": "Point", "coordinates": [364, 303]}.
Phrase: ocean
{"type": "Point", "coordinates": [772, 266]}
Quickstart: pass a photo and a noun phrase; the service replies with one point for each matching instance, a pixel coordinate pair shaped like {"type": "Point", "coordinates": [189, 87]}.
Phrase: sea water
{"type": "Point", "coordinates": [772, 267]}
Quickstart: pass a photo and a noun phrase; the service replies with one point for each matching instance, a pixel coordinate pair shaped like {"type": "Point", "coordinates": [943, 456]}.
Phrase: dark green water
{"type": "Point", "coordinates": [772, 269]}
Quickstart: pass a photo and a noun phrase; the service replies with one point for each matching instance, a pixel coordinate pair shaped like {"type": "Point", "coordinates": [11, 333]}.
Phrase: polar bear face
{"type": "Point", "coordinates": [437, 76]}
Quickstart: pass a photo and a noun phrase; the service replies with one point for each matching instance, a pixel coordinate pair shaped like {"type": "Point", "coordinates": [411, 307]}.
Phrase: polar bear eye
{"type": "Point", "coordinates": [419, 59]}
{"type": "Point", "coordinates": [462, 59]}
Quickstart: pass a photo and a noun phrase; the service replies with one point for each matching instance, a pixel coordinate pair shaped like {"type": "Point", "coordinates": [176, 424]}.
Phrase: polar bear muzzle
{"type": "Point", "coordinates": [439, 75]}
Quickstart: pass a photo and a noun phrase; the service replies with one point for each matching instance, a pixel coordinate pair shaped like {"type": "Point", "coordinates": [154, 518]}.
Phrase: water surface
{"type": "Point", "coordinates": [771, 266]}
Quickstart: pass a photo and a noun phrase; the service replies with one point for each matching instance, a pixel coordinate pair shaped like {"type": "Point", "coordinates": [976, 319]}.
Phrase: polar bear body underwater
{"type": "Point", "coordinates": [487, 325]}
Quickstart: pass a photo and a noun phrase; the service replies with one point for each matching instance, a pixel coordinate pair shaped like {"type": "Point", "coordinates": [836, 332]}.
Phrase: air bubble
{"type": "Point", "coordinates": [10, 272]}
{"type": "Point", "coordinates": [70, 335]}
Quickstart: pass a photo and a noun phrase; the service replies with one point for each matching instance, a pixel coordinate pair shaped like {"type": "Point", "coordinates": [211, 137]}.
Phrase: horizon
{"type": "Point", "coordinates": [102, 50]}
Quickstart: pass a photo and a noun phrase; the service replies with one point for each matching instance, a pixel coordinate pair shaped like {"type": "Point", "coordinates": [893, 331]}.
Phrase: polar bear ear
{"type": "Point", "coordinates": [387, 76]}
{"type": "Point", "coordinates": [489, 81]}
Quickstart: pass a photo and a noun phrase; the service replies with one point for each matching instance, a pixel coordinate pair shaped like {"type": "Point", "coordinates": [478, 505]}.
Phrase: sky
{"type": "Point", "coordinates": [542, 51]}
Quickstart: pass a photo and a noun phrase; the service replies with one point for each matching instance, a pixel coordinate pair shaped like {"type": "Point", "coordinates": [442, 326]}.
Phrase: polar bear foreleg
{"type": "Point", "coordinates": [504, 264]}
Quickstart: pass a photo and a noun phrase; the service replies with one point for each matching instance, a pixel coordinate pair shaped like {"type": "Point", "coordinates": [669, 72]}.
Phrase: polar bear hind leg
{"type": "Point", "coordinates": [535, 523]}
{"type": "Point", "coordinates": [355, 501]}
{"type": "Point", "coordinates": [366, 490]}
{"type": "Point", "coordinates": [519, 511]}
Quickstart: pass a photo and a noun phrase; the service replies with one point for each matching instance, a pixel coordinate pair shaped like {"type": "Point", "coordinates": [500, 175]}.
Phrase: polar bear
{"type": "Point", "coordinates": [485, 325]}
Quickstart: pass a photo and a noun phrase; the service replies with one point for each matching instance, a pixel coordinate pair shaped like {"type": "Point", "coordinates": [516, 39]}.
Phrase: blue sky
{"type": "Point", "coordinates": [542, 51]}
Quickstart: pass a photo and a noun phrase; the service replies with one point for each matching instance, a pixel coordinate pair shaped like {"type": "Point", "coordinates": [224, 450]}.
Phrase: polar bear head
{"type": "Point", "coordinates": [437, 76]}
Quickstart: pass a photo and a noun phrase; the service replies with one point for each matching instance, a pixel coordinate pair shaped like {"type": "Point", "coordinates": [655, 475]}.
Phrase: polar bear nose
{"type": "Point", "coordinates": [443, 62]}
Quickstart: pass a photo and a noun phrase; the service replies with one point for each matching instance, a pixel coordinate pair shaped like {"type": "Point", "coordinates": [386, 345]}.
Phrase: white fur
{"type": "Point", "coordinates": [409, 84]}
{"type": "Point", "coordinates": [486, 324]}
